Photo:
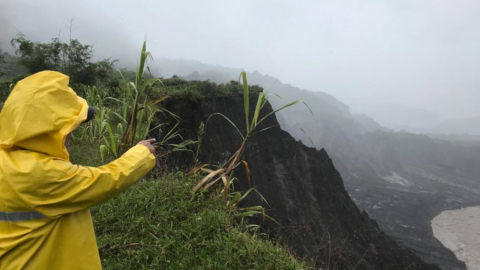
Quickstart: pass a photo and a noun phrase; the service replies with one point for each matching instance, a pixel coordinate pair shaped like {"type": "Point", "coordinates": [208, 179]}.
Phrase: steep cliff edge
{"type": "Point", "coordinates": [305, 192]}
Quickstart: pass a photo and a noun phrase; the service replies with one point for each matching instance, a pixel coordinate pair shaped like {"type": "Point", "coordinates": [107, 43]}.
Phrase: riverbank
{"type": "Point", "coordinates": [459, 230]}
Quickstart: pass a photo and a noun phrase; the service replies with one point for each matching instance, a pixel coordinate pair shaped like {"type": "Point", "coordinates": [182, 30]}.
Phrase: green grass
{"type": "Point", "coordinates": [156, 224]}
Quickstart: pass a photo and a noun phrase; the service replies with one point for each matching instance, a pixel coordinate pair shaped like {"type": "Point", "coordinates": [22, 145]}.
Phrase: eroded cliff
{"type": "Point", "coordinates": [305, 192]}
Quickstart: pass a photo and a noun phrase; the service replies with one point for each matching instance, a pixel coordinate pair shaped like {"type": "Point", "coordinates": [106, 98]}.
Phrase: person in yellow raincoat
{"type": "Point", "coordinates": [45, 221]}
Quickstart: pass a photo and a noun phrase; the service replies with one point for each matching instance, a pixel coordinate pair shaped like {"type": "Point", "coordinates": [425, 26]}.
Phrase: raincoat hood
{"type": "Point", "coordinates": [39, 114]}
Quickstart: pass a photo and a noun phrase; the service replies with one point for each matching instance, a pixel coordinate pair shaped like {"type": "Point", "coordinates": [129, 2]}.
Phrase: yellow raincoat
{"type": "Point", "coordinates": [45, 220]}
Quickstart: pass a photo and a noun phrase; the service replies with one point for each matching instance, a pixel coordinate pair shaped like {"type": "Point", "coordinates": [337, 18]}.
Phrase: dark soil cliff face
{"type": "Point", "coordinates": [304, 190]}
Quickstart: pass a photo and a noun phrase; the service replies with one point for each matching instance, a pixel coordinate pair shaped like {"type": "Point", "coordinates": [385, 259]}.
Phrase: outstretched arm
{"type": "Point", "coordinates": [68, 188]}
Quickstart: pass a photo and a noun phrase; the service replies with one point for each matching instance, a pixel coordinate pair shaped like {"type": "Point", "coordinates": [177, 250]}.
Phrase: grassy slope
{"type": "Point", "coordinates": [157, 225]}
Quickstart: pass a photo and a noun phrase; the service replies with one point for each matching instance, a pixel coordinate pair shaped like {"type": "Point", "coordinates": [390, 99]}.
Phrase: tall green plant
{"type": "Point", "coordinates": [135, 93]}
{"type": "Point", "coordinates": [95, 96]}
{"type": "Point", "coordinates": [111, 143]}
{"type": "Point", "coordinates": [97, 126]}
{"type": "Point", "coordinates": [137, 114]}
{"type": "Point", "coordinates": [224, 172]}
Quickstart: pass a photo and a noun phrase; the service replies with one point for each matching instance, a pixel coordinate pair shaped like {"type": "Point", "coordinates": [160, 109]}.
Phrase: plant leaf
{"type": "Point", "coordinates": [246, 100]}
{"type": "Point", "coordinates": [260, 103]}
{"type": "Point", "coordinates": [206, 178]}
{"type": "Point", "coordinates": [247, 171]}
{"type": "Point", "coordinates": [279, 109]}
{"type": "Point", "coordinates": [230, 121]}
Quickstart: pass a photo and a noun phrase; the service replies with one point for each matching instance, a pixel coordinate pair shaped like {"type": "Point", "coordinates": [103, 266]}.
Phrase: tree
{"type": "Point", "coordinates": [73, 59]}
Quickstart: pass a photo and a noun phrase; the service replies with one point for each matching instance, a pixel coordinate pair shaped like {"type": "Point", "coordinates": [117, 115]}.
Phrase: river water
{"type": "Point", "coordinates": [459, 230]}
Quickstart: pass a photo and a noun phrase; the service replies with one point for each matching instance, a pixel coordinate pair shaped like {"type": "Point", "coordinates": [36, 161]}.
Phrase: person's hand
{"type": "Point", "coordinates": [148, 144]}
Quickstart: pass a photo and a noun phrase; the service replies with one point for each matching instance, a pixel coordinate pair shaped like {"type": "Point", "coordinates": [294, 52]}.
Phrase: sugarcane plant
{"type": "Point", "coordinates": [224, 172]}
{"type": "Point", "coordinates": [137, 115]}
{"type": "Point", "coordinates": [141, 112]}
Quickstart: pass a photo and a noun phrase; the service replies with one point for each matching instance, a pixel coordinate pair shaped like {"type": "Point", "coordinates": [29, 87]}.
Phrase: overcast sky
{"type": "Point", "coordinates": [403, 62]}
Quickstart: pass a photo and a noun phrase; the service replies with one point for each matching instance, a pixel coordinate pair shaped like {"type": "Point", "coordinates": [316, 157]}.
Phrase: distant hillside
{"type": "Point", "coordinates": [458, 126]}
{"type": "Point", "coordinates": [464, 140]}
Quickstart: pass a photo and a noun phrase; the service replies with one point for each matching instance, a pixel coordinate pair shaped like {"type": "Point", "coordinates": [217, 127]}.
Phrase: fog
{"type": "Point", "coordinates": [407, 64]}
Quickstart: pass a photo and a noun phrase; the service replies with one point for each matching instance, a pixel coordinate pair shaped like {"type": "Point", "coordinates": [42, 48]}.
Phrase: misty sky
{"type": "Point", "coordinates": [404, 63]}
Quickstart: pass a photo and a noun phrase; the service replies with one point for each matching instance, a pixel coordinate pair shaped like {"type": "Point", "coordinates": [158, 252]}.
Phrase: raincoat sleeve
{"type": "Point", "coordinates": [69, 188]}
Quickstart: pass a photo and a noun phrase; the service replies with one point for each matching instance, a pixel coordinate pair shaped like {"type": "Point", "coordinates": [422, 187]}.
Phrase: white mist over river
{"type": "Point", "coordinates": [459, 230]}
